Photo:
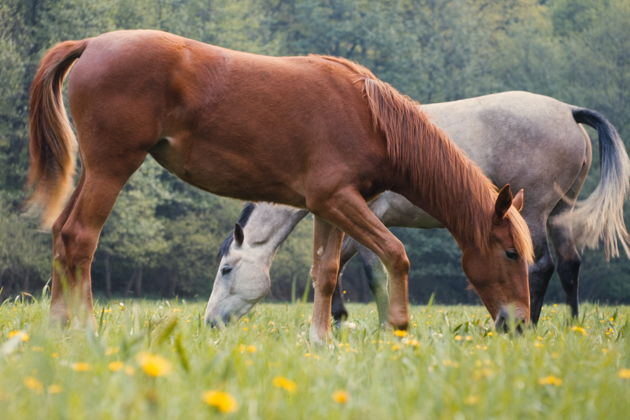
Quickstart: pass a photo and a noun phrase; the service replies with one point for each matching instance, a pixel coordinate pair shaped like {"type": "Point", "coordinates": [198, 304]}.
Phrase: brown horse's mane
{"type": "Point", "coordinates": [422, 153]}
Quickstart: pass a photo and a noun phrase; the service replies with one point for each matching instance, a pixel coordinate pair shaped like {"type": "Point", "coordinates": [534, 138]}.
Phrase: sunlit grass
{"type": "Point", "coordinates": [152, 359]}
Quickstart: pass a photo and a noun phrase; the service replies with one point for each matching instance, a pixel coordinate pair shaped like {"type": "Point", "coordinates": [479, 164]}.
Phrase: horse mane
{"type": "Point", "coordinates": [247, 211]}
{"type": "Point", "coordinates": [422, 154]}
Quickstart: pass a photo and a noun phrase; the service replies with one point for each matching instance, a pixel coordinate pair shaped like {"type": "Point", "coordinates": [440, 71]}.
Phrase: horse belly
{"type": "Point", "coordinates": [196, 162]}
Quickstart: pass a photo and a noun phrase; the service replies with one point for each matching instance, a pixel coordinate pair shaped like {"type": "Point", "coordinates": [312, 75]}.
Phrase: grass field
{"type": "Point", "coordinates": [156, 359]}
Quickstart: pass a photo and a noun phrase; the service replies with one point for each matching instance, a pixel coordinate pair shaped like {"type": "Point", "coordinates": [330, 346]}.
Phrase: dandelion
{"type": "Point", "coordinates": [340, 396]}
{"type": "Point", "coordinates": [249, 349]}
{"type": "Point", "coordinates": [81, 367]}
{"type": "Point", "coordinates": [154, 365]}
{"type": "Point", "coordinates": [550, 380]}
{"type": "Point", "coordinates": [490, 334]}
{"type": "Point", "coordinates": [471, 400]}
{"type": "Point", "coordinates": [284, 383]}
{"type": "Point", "coordinates": [54, 389]}
{"type": "Point", "coordinates": [400, 333]}
{"type": "Point", "coordinates": [395, 347]}
{"type": "Point", "coordinates": [115, 366]}
{"type": "Point", "coordinates": [538, 345]}
{"type": "Point", "coordinates": [33, 384]}
{"type": "Point", "coordinates": [411, 342]}
{"type": "Point", "coordinates": [222, 401]}
{"type": "Point", "coordinates": [21, 335]}
{"type": "Point", "coordinates": [458, 338]}
{"type": "Point", "coordinates": [624, 373]}
{"type": "Point", "coordinates": [579, 330]}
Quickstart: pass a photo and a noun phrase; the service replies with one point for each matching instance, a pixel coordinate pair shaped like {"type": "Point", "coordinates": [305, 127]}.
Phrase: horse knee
{"type": "Point", "coordinates": [78, 245]}
{"type": "Point", "coordinates": [326, 277]}
{"type": "Point", "coordinates": [397, 260]}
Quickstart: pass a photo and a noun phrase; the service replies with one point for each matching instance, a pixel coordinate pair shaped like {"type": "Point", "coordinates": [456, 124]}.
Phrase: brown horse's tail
{"type": "Point", "coordinates": [52, 145]}
{"type": "Point", "coordinates": [600, 216]}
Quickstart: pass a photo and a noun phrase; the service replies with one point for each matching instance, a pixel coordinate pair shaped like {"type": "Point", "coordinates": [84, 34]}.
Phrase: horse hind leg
{"type": "Point", "coordinates": [76, 233]}
{"type": "Point", "coordinates": [567, 255]}
{"type": "Point", "coordinates": [540, 271]}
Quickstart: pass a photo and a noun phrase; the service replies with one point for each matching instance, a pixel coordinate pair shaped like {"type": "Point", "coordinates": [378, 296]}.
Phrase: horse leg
{"type": "Point", "coordinates": [562, 238]}
{"type": "Point", "coordinates": [76, 233]}
{"type": "Point", "coordinates": [339, 312]}
{"type": "Point", "coordinates": [348, 210]}
{"type": "Point", "coordinates": [327, 241]}
{"type": "Point", "coordinates": [540, 273]}
{"type": "Point", "coordinates": [376, 282]}
{"type": "Point", "coordinates": [568, 263]}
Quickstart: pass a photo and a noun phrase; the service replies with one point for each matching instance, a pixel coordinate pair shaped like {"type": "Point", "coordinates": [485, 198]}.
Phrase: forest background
{"type": "Point", "coordinates": [163, 235]}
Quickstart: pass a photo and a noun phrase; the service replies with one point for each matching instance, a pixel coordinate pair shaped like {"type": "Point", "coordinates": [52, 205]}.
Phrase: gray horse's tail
{"type": "Point", "coordinates": [600, 216]}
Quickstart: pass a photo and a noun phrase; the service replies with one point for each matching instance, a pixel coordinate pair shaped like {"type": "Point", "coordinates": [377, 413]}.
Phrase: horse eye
{"type": "Point", "coordinates": [511, 254]}
{"type": "Point", "coordinates": [226, 269]}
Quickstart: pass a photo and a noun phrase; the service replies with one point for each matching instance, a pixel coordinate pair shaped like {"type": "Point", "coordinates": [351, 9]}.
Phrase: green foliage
{"type": "Point", "coordinates": [450, 365]}
{"type": "Point", "coordinates": [167, 233]}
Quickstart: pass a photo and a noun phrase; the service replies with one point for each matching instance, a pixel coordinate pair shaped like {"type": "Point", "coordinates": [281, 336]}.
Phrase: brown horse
{"type": "Point", "coordinates": [259, 128]}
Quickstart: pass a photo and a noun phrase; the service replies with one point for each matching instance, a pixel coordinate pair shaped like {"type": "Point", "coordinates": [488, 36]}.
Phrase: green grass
{"type": "Point", "coordinates": [451, 365]}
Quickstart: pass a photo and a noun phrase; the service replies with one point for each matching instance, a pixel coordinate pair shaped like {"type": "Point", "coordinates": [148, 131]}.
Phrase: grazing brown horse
{"type": "Point", "coordinates": [260, 128]}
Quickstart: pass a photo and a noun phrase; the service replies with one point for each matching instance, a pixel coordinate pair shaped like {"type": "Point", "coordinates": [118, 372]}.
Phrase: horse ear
{"type": "Point", "coordinates": [519, 200]}
{"type": "Point", "coordinates": [239, 236]}
{"type": "Point", "coordinates": [504, 201]}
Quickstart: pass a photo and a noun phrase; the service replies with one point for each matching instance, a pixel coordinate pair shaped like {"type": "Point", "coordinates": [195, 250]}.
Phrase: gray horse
{"type": "Point", "coordinates": [530, 141]}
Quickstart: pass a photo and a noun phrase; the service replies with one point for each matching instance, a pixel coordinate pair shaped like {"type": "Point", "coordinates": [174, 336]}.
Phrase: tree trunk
{"type": "Point", "coordinates": [108, 275]}
{"type": "Point", "coordinates": [138, 285]}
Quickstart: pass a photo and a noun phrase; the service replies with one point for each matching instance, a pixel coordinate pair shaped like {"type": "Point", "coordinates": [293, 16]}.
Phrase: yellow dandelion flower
{"type": "Point", "coordinates": [471, 400]}
{"type": "Point", "coordinates": [538, 345]}
{"type": "Point", "coordinates": [340, 396]}
{"type": "Point", "coordinates": [550, 380]}
{"type": "Point", "coordinates": [450, 363]}
{"type": "Point", "coordinates": [284, 383]}
{"type": "Point", "coordinates": [54, 355]}
{"type": "Point", "coordinates": [579, 330]}
{"type": "Point", "coordinates": [411, 342]}
{"type": "Point", "coordinates": [624, 373]}
{"type": "Point", "coordinates": [54, 389]}
{"type": "Point", "coordinates": [249, 349]}
{"type": "Point", "coordinates": [154, 365]}
{"type": "Point", "coordinates": [400, 333]}
{"type": "Point", "coordinates": [81, 367]}
{"type": "Point", "coordinates": [458, 338]}
{"type": "Point", "coordinates": [33, 384]}
{"type": "Point", "coordinates": [395, 347]}
{"type": "Point", "coordinates": [490, 334]}
{"type": "Point", "coordinates": [222, 401]}
{"type": "Point", "coordinates": [115, 366]}
{"type": "Point", "coordinates": [20, 334]}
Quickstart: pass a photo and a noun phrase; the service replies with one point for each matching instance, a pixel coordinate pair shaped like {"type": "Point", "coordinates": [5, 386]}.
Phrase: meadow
{"type": "Point", "coordinates": [157, 359]}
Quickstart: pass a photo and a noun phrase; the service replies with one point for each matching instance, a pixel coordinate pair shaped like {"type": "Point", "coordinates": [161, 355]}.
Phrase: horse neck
{"type": "Point", "coordinates": [452, 189]}
{"type": "Point", "coordinates": [268, 227]}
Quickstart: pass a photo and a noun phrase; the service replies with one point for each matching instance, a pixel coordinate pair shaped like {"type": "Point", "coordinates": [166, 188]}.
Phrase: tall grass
{"type": "Point", "coordinates": [450, 365]}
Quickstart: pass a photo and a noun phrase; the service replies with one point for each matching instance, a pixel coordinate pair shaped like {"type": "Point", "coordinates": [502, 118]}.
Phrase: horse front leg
{"type": "Point", "coordinates": [327, 241]}
{"type": "Point", "coordinates": [348, 210]}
